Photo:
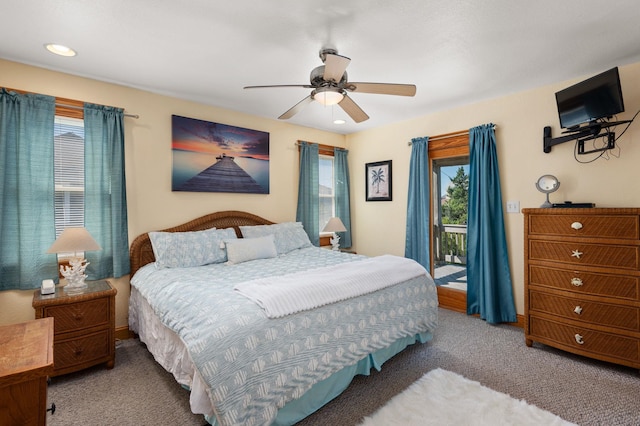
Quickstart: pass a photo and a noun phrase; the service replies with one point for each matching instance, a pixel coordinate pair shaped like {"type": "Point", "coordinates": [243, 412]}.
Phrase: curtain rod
{"type": "Point", "coordinates": [79, 107]}
{"type": "Point", "coordinates": [450, 135]}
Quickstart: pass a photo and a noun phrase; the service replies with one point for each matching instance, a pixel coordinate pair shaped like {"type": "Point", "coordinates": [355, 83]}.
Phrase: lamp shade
{"type": "Point", "coordinates": [73, 240]}
{"type": "Point", "coordinates": [334, 225]}
{"type": "Point", "coordinates": [327, 96]}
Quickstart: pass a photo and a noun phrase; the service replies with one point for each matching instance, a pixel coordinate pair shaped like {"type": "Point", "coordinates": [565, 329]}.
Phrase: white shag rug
{"type": "Point", "coordinates": [444, 398]}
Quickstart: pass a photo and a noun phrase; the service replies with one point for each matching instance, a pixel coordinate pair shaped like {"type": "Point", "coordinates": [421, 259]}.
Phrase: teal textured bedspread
{"type": "Point", "coordinates": [254, 365]}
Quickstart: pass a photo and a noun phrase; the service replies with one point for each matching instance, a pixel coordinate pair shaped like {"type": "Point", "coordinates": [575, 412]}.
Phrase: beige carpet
{"type": "Point", "coordinates": [137, 391]}
{"type": "Point", "coordinates": [442, 398]}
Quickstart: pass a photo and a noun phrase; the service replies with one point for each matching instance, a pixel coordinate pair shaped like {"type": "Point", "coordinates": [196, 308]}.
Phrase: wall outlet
{"type": "Point", "coordinates": [513, 206]}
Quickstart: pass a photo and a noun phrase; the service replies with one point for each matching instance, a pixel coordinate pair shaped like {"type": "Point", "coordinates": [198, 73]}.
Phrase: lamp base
{"type": "Point", "coordinates": [335, 242]}
{"type": "Point", "coordinates": [75, 275]}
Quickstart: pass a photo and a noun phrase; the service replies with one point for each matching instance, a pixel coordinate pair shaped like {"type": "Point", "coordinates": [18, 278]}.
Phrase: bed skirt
{"type": "Point", "coordinates": [171, 353]}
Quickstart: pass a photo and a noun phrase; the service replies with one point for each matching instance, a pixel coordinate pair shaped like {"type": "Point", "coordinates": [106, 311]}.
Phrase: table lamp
{"type": "Point", "coordinates": [74, 240]}
{"type": "Point", "coordinates": [335, 225]}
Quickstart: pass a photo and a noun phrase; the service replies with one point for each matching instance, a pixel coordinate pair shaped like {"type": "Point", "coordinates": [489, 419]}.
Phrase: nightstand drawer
{"type": "Point", "coordinates": [81, 350]}
{"type": "Point", "coordinates": [584, 341]}
{"type": "Point", "coordinates": [625, 257]}
{"type": "Point", "coordinates": [619, 286]}
{"type": "Point", "coordinates": [624, 317]}
{"type": "Point", "coordinates": [80, 315]}
{"type": "Point", "coordinates": [594, 226]}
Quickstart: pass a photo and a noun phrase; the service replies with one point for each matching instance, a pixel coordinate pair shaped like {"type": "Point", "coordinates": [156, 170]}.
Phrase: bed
{"type": "Point", "coordinates": [255, 358]}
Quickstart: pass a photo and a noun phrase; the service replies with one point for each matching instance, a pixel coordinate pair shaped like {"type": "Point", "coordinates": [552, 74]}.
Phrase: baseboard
{"type": "Point", "coordinates": [456, 300]}
{"type": "Point", "coordinates": [123, 333]}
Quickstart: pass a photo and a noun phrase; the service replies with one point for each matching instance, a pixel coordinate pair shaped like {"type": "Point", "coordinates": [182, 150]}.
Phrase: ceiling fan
{"type": "Point", "coordinates": [330, 86]}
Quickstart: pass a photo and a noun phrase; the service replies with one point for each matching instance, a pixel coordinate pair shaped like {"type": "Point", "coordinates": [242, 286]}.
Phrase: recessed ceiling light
{"type": "Point", "coordinates": [339, 121]}
{"type": "Point", "coordinates": [59, 49]}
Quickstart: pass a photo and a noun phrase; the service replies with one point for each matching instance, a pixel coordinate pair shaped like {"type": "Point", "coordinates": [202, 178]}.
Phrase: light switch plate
{"type": "Point", "coordinates": [513, 206]}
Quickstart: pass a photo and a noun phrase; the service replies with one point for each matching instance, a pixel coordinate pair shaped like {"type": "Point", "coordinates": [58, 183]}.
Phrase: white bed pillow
{"type": "Point", "coordinates": [245, 249]}
{"type": "Point", "coordinates": [187, 249]}
{"type": "Point", "coordinates": [288, 236]}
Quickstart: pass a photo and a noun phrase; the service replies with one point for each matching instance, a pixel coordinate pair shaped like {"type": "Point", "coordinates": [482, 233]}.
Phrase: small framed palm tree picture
{"type": "Point", "coordinates": [378, 180]}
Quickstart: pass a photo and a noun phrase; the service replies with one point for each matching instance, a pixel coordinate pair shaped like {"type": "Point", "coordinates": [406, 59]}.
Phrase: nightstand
{"type": "Point", "coordinates": [26, 358]}
{"type": "Point", "coordinates": [84, 325]}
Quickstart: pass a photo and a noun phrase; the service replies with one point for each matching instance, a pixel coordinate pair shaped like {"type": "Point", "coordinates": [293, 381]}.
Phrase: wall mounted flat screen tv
{"type": "Point", "coordinates": [597, 97]}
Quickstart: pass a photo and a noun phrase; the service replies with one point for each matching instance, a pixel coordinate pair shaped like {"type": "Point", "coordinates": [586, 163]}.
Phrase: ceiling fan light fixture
{"type": "Point", "coordinates": [327, 96]}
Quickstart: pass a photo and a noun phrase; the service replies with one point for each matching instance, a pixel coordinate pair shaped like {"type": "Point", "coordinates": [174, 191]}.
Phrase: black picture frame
{"type": "Point", "coordinates": [378, 181]}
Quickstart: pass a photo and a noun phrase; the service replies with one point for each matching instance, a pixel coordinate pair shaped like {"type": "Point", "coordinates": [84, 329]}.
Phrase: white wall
{"type": "Point", "coordinates": [380, 226]}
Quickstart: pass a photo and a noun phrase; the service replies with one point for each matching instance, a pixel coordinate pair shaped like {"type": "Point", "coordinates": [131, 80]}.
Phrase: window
{"type": "Point", "coordinates": [326, 190]}
{"type": "Point", "coordinates": [331, 201]}
{"type": "Point", "coordinates": [68, 172]}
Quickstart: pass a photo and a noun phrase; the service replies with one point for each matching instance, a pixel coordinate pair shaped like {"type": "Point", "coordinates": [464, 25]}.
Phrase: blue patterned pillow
{"type": "Point", "coordinates": [245, 249]}
{"type": "Point", "coordinates": [187, 249]}
{"type": "Point", "coordinates": [288, 236]}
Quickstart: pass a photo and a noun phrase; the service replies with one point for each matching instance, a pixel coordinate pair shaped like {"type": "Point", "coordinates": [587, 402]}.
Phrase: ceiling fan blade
{"type": "Point", "coordinates": [307, 86]}
{"type": "Point", "coordinates": [334, 67]}
{"type": "Point", "coordinates": [382, 88]}
{"type": "Point", "coordinates": [296, 108]}
{"type": "Point", "coordinates": [354, 111]}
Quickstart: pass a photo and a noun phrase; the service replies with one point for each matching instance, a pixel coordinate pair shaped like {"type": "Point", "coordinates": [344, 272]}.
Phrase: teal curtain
{"type": "Point", "coordinates": [341, 185]}
{"type": "Point", "coordinates": [417, 233]}
{"type": "Point", "coordinates": [489, 289]}
{"type": "Point", "coordinates": [105, 215]}
{"type": "Point", "coordinates": [27, 223]}
{"type": "Point", "coordinates": [308, 211]}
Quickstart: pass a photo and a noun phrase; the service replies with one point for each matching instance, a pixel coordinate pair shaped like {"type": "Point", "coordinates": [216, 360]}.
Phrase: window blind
{"type": "Point", "coordinates": [326, 191]}
{"type": "Point", "coordinates": [68, 173]}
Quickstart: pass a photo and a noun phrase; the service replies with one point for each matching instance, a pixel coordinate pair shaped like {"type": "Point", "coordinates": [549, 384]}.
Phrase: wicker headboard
{"type": "Point", "coordinates": [141, 251]}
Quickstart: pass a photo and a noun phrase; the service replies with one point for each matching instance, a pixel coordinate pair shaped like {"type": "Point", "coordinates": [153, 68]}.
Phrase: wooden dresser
{"type": "Point", "coordinates": [84, 325]}
{"type": "Point", "coordinates": [582, 272]}
{"type": "Point", "coordinates": [26, 358]}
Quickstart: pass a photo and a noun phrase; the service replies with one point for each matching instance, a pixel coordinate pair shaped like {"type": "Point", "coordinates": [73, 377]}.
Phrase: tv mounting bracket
{"type": "Point", "coordinates": [591, 131]}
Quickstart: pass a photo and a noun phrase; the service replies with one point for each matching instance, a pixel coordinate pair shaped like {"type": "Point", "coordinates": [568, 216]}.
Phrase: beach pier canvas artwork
{"type": "Point", "coordinates": [214, 157]}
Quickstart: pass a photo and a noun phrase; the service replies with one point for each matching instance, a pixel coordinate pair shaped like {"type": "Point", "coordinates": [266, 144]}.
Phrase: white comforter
{"type": "Point", "coordinates": [284, 295]}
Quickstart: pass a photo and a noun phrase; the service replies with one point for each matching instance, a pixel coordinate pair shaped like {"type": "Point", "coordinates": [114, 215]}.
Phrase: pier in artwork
{"type": "Point", "coordinates": [223, 176]}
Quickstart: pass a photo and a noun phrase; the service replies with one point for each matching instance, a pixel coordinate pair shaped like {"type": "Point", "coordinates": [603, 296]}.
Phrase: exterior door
{"type": "Point", "coordinates": [449, 164]}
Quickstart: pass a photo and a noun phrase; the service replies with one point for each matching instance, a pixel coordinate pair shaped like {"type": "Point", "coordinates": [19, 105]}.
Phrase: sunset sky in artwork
{"type": "Point", "coordinates": [189, 134]}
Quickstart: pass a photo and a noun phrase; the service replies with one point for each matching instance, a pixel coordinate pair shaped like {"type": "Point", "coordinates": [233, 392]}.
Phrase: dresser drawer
{"type": "Point", "coordinates": [606, 314]}
{"type": "Point", "coordinates": [623, 287]}
{"type": "Point", "coordinates": [583, 340]}
{"type": "Point", "coordinates": [593, 226]}
{"type": "Point", "coordinates": [79, 315]}
{"type": "Point", "coordinates": [81, 350]}
{"type": "Point", "coordinates": [618, 256]}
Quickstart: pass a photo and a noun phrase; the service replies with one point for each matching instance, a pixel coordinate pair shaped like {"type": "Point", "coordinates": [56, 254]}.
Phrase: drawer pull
{"type": "Point", "coordinates": [576, 253]}
{"type": "Point", "coordinates": [577, 282]}
{"type": "Point", "coordinates": [576, 225]}
{"type": "Point", "coordinates": [78, 316]}
{"type": "Point", "coordinates": [578, 310]}
{"type": "Point", "coordinates": [78, 351]}
{"type": "Point", "coordinates": [579, 339]}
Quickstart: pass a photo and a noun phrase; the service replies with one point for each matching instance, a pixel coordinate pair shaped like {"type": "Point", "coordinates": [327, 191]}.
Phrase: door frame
{"type": "Point", "coordinates": [448, 145]}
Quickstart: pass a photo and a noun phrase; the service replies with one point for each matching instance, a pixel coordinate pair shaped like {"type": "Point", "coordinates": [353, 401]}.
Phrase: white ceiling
{"type": "Point", "coordinates": [455, 51]}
